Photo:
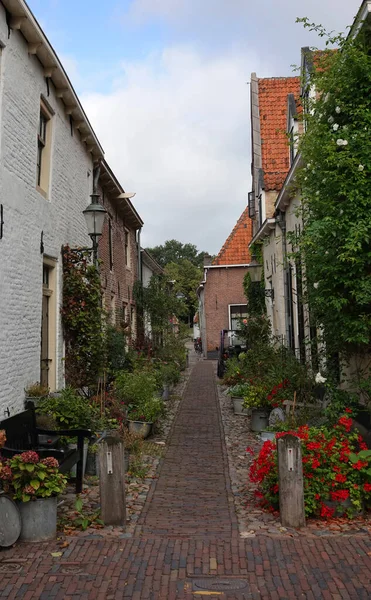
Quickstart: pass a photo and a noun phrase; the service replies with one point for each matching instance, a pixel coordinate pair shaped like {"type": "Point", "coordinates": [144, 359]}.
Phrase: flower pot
{"type": "Point", "coordinates": [238, 407]}
{"type": "Point", "coordinates": [140, 428]}
{"type": "Point", "coordinates": [259, 419]}
{"type": "Point", "coordinates": [85, 456]}
{"type": "Point", "coordinates": [39, 519]}
{"type": "Point", "coordinates": [267, 435]}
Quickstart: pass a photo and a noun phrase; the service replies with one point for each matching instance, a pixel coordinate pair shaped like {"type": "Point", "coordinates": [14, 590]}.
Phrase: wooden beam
{"type": "Point", "coordinates": [33, 47]}
{"type": "Point", "coordinates": [16, 22]}
{"type": "Point", "coordinates": [69, 109]}
{"type": "Point", "coordinates": [48, 71]}
{"type": "Point", "coordinates": [60, 92]}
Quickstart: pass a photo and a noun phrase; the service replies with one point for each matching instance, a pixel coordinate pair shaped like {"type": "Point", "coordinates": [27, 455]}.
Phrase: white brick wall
{"type": "Point", "coordinates": [27, 214]}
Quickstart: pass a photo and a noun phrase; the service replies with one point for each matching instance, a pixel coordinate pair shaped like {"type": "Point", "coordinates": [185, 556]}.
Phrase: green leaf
{"type": "Point", "coordinates": [26, 498]}
{"type": "Point", "coordinates": [78, 504]}
{"type": "Point", "coordinates": [30, 468]}
{"type": "Point", "coordinates": [35, 484]}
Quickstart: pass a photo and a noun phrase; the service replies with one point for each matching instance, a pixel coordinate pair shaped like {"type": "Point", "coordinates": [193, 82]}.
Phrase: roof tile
{"type": "Point", "coordinates": [273, 94]}
{"type": "Point", "coordinates": [236, 248]}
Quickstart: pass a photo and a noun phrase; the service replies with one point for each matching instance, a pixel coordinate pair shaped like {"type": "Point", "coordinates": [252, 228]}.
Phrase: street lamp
{"type": "Point", "coordinates": [256, 271]}
{"type": "Point", "coordinates": [94, 215]}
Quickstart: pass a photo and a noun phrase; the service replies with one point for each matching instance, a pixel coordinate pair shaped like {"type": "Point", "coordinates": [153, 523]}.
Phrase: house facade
{"type": "Point", "coordinates": [276, 126]}
{"type": "Point", "coordinates": [48, 154]}
{"type": "Point", "coordinates": [222, 301]}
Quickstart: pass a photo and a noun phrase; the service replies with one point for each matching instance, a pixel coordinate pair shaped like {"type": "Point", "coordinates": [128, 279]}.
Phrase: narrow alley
{"type": "Point", "coordinates": [186, 544]}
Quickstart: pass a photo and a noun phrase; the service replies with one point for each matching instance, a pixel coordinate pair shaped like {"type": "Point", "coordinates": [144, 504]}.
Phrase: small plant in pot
{"type": "Point", "coordinates": [237, 393]}
{"type": "Point", "coordinates": [256, 400]}
{"type": "Point", "coordinates": [35, 484]}
{"type": "Point", "coordinates": [142, 417]}
{"type": "Point", "coordinates": [36, 392]}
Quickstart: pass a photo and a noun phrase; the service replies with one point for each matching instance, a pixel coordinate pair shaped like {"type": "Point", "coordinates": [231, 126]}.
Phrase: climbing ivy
{"type": "Point", "coordinates": [254, 292]}
{"type": "Point", "coordinates": [335, 244]}
{"type": "Point", "coordinates": [82, 318]}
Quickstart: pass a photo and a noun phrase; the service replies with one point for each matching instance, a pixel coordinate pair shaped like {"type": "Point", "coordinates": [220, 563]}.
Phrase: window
{"type": "Point", "coordinates": [236, 313]}
{"type": "Point", "coordinates": [127, 248]}
{"type": "Point", "coordinates": [43, 151]}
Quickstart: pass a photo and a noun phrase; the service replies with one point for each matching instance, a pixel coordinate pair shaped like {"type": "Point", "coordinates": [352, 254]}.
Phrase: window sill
{"type": "Point", "coordinates": [43, 193]}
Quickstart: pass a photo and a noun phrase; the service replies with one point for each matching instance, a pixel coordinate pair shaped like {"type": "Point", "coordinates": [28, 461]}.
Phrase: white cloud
{"type": "Point", "coordinates": [176, 130]}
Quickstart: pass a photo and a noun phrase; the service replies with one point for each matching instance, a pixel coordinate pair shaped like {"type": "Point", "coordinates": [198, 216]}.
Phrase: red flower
{"type": "Point", "coordinates": [345, 422]}
{"type": "Point", "coordinates": [340, 478]}
{"type": "Point", "coordinates": [29, 457]}
{"type": "Point", "coordinates": [349, 411]}
{"type": "Point", "coordinates": [339, 495]}
{"type": "Point", "coordinates": [326, 512]}
{"type": "Point", "coordinates": [367, 487]}
{"type": "Point", "coordinates": [359, 465]}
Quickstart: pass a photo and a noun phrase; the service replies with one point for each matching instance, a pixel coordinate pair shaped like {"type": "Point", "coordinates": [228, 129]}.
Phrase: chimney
{"type": "Point", "coordinates": [207, 260]}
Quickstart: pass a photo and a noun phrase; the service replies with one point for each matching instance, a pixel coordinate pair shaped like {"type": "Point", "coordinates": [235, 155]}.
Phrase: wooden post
{"type": "Point", "coordinates": [290, 481]}
{"type": "Point", "coordinates": [112, 481]}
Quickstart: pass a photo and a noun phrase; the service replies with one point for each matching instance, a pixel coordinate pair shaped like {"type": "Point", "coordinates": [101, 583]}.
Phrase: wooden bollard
{"type": "Point", "coordinates": [112, 481]}
{"type": "Point", "coordinates": [290, 481]}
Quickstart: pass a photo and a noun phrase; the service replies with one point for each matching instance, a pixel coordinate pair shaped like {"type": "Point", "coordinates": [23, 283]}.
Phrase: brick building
{"type": "Point", "coordinates": [48, 153]}
{"type": "Point", "coordinates": [222, 301]}
{"type": "Point", "coordinates": [119, 249]}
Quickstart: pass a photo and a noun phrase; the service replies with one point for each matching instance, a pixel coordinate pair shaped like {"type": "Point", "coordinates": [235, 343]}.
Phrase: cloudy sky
{"type": "Point", "coordinates": [164, 83]}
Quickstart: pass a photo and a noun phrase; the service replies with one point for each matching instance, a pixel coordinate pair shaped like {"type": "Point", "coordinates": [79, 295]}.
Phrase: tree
{"type": "Point", "coordinates": [173, 251]}
{"type": "Point", "coordinates": [186, 277]}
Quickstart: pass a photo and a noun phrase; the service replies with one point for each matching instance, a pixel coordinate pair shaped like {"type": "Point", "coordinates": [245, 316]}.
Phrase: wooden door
{"type": "Point", "coordinates": [44, 354]}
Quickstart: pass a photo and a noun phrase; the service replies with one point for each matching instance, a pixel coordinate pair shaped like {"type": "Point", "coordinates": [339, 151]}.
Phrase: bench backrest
{"type": "Point", "coordinates": [20, 430]}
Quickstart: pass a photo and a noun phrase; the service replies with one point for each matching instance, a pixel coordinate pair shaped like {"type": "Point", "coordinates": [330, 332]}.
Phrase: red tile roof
{"type": "Point", "coordinates": [273, 94]}
{"type": "Point", "coordinates": [236, 248]}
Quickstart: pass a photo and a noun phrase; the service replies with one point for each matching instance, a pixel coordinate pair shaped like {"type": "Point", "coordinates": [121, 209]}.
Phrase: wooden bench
{"type": "Point", "coordinates": [22, 434]}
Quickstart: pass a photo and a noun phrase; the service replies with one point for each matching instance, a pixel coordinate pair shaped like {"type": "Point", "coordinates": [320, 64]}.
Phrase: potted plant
{"type": "Point", "coordinates": [71, 411]}
{"type": "Point", "coordinates": [256, 399]}
{"type": "Point", "coordinates": [35, 485]}
{"type": "Point", "coordinates": [142, 417]}
{"type": "Point", "coordinates": [237, 393]}
{"type": "Point", "coordinates": [36, 392]}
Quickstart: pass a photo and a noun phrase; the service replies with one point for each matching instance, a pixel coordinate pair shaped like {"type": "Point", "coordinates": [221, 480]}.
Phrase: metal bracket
{"type": "Point", "coordinates": [269, 293]}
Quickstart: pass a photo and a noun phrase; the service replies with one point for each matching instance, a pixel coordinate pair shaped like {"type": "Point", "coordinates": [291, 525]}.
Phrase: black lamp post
{"type": "Point", "coordinates": [94, 215]}
{"type": "Point", "coordinates": [256, 271]}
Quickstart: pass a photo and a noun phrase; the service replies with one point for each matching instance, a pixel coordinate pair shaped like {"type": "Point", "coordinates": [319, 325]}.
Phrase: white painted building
{"type": "Point", "coordinates": [47, 155]}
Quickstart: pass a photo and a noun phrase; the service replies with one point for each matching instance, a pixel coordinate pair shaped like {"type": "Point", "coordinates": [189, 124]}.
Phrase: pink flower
{"type": "Point", "coordinates": [29, 457]}
{"type": "Point", "coordinates": [50, 462]}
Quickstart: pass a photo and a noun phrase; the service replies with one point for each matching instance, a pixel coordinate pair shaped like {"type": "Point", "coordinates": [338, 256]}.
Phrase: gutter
{"type": "Point", "coordinates": [264, 231]}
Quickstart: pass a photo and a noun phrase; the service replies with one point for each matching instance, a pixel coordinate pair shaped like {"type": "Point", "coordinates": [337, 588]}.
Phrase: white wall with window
{"type": "Point", "coordinates": [44, 187]}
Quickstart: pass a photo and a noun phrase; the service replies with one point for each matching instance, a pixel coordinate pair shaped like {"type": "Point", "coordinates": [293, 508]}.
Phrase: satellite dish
{"type": "Point", "coordinates": [10, 522]}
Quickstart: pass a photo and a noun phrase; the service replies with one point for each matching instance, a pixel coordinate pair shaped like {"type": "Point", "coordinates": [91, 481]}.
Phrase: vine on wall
{"type": "Point", "coordinates": [82, 318]}
{"type": "Point", "coordinates": [335, 245]}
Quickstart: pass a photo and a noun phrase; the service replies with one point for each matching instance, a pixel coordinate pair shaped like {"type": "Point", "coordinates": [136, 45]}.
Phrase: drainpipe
{"type": "Point", "coordinates": [281, 220]}
{"type": "Point", "coordinates": [139, 256]}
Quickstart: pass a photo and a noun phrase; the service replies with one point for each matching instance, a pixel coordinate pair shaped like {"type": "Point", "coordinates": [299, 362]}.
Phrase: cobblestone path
{"type": "Point", "coordinates": [187, 541]}
{"type": "Point", "coordinates": [192, 495]}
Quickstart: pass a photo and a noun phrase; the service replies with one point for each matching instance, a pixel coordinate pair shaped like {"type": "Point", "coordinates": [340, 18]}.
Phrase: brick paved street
{"type": "Point", "coordinates": [188, 533]}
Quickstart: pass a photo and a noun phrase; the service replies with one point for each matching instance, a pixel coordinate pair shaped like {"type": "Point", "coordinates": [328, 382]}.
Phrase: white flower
{"type": "Point", "coordinates": [341, 211]}
{"type": "Point", "coordinates": [338, 110]}
{"type": "Point", "coordinates": [345, 142]}
{"type": "Point", "coordinates": [335, 126]}
{"type": "Point", "coordinates": [305, 178]}
{"type": "Point", "coordinates": [326, 252]}
{"type": "Point", "coordinates": [324, 180]}
{"type": "Point", "coordinates": [309, 165]}
{"type": "Point", "coordinates": [317, 193]}
{"type": "Point", "coordinates": [361, 168]}
{"type": "Point", "coordinates": [331, 119]}
{"type": "Point", "coordinates": [316, 285]}
{"type": "Point", "coordinates": [341, 142]}
{"type": "Point", "coordinates": [319, 378]}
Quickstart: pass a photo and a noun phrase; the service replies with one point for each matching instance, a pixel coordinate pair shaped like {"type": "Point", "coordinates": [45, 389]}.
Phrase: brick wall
{"type": "Point", "coordinates": [223, 286]}
{"type": "Point", "coordinates": [119, 280]}
{"type": "Point", "coordinates": [27, 213]}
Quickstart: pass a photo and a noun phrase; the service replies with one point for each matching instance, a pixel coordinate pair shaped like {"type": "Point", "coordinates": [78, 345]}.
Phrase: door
{"type": "Point", "coordinates": [45, 359]}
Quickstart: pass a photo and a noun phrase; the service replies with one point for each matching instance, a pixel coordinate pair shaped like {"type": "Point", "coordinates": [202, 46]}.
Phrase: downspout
{"type": "Point", "coordinates": [139, 256]}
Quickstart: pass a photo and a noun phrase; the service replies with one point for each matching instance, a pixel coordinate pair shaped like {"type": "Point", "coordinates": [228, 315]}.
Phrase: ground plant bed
{"type": "Point", "coordinates": [84, 520]}
{"type": "Point", "coordinates": [242, 446]}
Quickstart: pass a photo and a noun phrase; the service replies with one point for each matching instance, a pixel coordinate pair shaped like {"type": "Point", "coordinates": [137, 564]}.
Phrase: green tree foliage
{"type": "Point", "coordinates": [186, 277]}
{"type": "Point", "coordinates": [173, 251]}
{"type": "Point", "coordinates": [335, 245]}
